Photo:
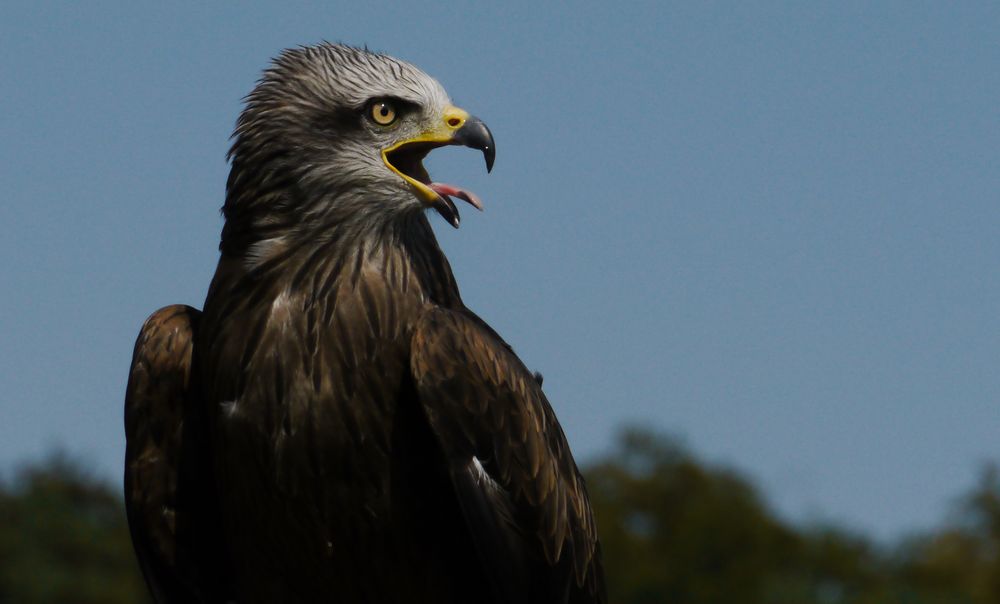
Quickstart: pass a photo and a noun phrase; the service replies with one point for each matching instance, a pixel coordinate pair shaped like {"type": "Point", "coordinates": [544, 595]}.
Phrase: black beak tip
{"type": "Point", "coordinates": [477, 135]}
{"type": "Point", "coordinates": [489, 154]}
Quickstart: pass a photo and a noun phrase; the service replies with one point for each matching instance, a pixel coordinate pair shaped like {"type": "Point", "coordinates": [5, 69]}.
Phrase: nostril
{"type": "Point", "coordinates": [454, 122]}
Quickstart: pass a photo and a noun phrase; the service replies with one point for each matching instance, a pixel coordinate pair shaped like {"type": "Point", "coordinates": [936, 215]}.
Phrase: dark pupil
{"type": "Point", "coordinates": [383, 110]}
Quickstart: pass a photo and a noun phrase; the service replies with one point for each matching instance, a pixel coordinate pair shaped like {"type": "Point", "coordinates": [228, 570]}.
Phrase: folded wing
{"type": "Point", "coordinates": [168, 498]}
{"type": "Point", "coordinates": [521, 494]}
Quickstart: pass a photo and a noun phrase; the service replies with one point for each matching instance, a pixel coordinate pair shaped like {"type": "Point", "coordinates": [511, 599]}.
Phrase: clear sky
{"type": "Point", "coordinates": [772, 231]}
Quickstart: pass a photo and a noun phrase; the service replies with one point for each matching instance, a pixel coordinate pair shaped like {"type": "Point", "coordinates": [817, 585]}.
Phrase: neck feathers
{"type": "Point", "coordinates": [403, 253]}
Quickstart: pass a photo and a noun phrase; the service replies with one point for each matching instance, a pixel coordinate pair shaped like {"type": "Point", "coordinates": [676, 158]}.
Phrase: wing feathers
{"type": "Point", "coordinates": [486, 505]}
{"type": "Point", "coordinates": [154, 408]}
{"type": "Point", "coordinates": [162, 501]}
{"type": "Point", "coordinates": [525, 503]}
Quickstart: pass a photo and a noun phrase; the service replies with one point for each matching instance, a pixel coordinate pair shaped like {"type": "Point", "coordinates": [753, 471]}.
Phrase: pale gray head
{"type": "Point", "coordinates": [335, 135]}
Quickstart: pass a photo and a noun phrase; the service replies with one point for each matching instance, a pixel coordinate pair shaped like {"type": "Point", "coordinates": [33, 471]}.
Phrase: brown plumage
{"type": "Point", "coordinates": [336, 425]}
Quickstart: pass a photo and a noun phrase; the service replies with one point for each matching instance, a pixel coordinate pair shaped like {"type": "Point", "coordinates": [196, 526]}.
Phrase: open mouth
{"type": "Point", "coordinates": [407, 161]}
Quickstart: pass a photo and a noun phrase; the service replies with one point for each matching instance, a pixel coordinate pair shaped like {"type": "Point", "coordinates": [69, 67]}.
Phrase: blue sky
{"type": "Point", "coordinates": [770, 230]}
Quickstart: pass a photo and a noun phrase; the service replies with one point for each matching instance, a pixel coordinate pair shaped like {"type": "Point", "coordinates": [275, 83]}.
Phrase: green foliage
{"type": "Point", "coordinates": [961, 563]}
{"type": "Point", "coordinates": [63, 538]}
{"type": "Point", "coordinates": [674, 530]}
{"type": "Point", "coordinates": [677, 531]}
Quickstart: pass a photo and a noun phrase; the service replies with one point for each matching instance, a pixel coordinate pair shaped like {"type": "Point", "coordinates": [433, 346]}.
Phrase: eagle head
{"type": "Point", "coordinates": [334, 134]}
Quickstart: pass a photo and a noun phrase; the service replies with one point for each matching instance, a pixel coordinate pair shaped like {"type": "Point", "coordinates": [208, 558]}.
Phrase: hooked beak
{"type": "Point", "coordinates": [456, 127]}
{"type": "Point", "coordinates": [476, 135]}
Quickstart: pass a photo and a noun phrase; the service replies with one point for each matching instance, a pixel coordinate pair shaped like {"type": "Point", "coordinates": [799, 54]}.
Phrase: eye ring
{"type": "Point", "coordinates": [383, 112]}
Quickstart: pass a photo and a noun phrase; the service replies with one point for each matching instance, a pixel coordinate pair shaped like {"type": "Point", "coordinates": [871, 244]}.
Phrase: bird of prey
{"type": "Point", "coordinates": [336, 425]}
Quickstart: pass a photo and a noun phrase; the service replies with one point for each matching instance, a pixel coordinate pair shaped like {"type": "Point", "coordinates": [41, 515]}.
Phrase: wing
{"type": "Point", "coordinates": [520, 491]}
{"type": "Point", "coordinates": [165, 495]}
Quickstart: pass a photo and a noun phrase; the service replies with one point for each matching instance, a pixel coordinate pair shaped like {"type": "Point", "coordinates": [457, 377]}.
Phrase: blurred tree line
{"type": "Point", "coordinates": [674, 529]}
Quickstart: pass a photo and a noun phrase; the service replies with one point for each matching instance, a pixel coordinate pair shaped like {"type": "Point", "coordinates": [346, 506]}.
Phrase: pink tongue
{"type": "Point", "coordinates": [453, 191]}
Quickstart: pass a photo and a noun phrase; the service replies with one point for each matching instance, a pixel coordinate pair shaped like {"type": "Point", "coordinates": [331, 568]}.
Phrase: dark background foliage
{"type": "Point", "coordinates": [674, 529]}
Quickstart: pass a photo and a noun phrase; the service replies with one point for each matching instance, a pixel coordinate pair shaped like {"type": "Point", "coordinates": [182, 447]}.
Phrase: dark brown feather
{"type": "Point", "coordinates": [165, 499]}
{"type": "Point", "coordinates": [483, 404]}
{"type": "Point", "coordinates": [329, 477]}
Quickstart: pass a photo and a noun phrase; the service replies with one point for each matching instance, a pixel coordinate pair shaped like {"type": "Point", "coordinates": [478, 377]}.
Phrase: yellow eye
{"type": "Point", "coordinates": [383, 113]}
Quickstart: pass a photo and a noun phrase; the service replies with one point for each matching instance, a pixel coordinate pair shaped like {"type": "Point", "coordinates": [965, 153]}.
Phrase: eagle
{"type": "Point", "coordinates": [335, 425]}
